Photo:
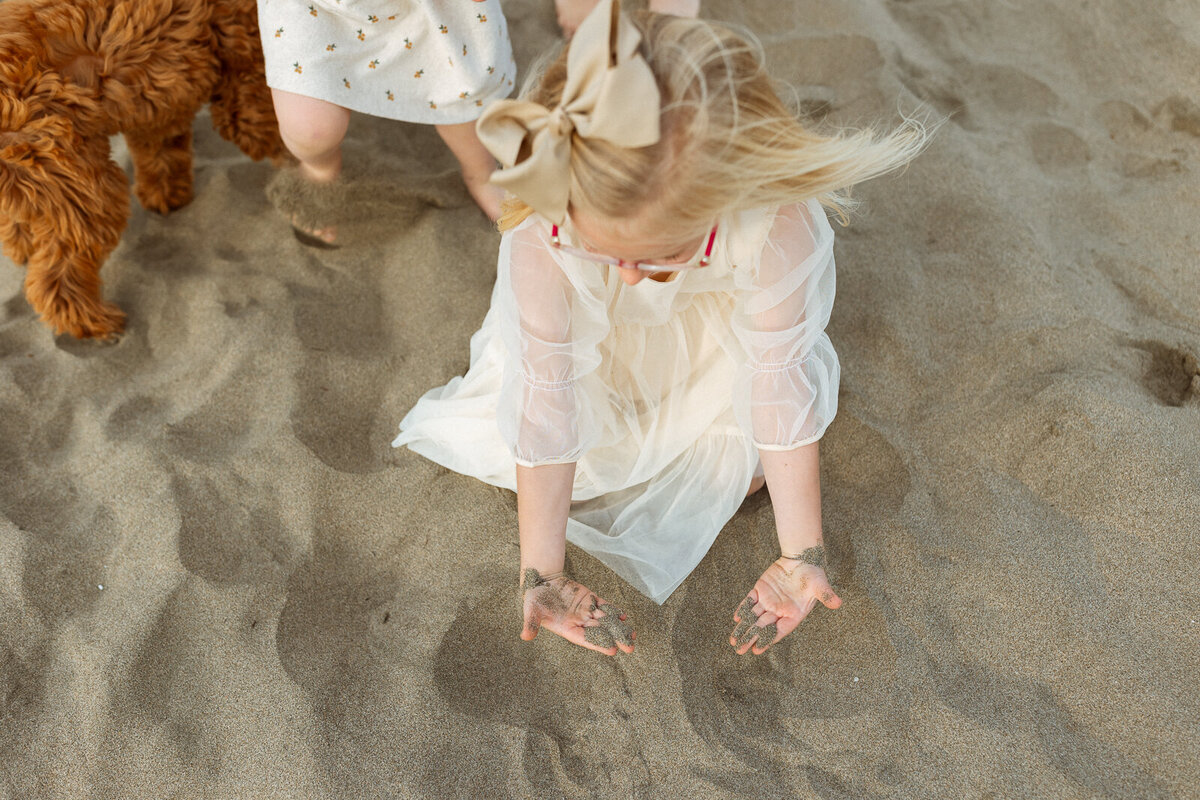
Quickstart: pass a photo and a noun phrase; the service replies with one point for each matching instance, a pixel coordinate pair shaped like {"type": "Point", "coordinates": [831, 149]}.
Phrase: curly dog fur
{"type": "Point", "coordinates": [75, 72]}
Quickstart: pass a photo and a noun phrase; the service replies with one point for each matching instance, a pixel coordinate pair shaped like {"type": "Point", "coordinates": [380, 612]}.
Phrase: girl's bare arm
{"type": "Point", "coordinates": [543, 502]}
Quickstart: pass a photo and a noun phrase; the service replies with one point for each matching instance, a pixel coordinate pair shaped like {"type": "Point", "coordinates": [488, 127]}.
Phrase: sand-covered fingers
{"type": "Point", "coordinates": [754, 626]}
{"type": "Point", "coordinates": [780, 600]}
{"type": "Point", "coordinates": [574, 612]}
{"type": "Point", "coordinates": [609, 627]}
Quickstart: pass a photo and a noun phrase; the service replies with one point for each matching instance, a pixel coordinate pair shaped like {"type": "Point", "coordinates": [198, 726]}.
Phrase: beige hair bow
{"type": "Point", "coordinates": [610, 94]}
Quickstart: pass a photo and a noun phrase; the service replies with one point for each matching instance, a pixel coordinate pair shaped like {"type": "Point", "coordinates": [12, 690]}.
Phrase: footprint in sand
{"type": "Point", "coordinates": [1181, 115]}
{"type": "Point", "coordinates": [976, 96]}
{"type": "Point", "coordinates": [137, 419]}
{"type": "Point", "coordinates": [941, 90]}
{"type": "Point", "coordinates": [482, 668]}
{"type": "Point", "coordinates": [1150, 147]}
{"type": "Point", "coordinates": [1172, 374]}
{"type": "Point", "coordinates": [342, 379]}
{"type": "Point", "coordinates": [1057, 148]}
{"type": "Point", "coordinates": [227, 540]}
{"type": "Point", "coordinates": [840, 72]}
{"type": "Point", "coordinates": [572, 704]}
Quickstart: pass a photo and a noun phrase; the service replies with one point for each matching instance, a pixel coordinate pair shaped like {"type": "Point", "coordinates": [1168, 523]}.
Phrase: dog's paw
{"type": "Point", "coordinates": [103, 323]}
{"type": "Point", "coordinates": [164, 198]}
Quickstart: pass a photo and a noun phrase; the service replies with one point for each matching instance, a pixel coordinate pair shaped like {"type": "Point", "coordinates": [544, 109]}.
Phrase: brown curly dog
{"type": "Point", "coordinates": [74, 73]}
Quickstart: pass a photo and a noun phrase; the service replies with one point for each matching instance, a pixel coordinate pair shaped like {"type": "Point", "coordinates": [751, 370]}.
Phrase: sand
{"type": "Point", "coordinates": [218, 580]}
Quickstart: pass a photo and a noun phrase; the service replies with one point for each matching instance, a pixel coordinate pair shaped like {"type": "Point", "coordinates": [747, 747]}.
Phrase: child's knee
{"type": "Point", "coordinates": [310, 126]}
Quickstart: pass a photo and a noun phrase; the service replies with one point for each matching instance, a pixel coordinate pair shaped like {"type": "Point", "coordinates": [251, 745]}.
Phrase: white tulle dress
{"type": "Point", "coordinates": [662, 393]}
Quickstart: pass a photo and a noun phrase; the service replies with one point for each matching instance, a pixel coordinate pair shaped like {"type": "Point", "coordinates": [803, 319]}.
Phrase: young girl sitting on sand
{"type": "Point", "coordinates": [655, 346]}
{"type": "Point", "coordinates": [428, 61]}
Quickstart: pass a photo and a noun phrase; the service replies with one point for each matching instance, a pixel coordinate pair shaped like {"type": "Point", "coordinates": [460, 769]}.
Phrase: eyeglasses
{"type": "Point", "coordinates": [649, 266]}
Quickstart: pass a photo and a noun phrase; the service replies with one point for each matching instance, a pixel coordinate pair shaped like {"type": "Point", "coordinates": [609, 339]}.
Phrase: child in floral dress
{"type": "Point", "coordinates": [436, 62]}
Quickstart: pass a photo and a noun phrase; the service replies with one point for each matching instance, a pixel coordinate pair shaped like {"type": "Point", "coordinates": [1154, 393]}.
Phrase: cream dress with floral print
{"type": "Point", "coordinates": [428, 61]}
{"type": "Point", "coordinates": [662, 394]}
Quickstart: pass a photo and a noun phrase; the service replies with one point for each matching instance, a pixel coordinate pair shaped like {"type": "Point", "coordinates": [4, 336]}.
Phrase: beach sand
{"type": "Point", "coordinates": [218, 580]}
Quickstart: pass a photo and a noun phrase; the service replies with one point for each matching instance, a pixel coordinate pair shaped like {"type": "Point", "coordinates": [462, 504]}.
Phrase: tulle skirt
{"type": "Point", "coordinates": [670, 465]}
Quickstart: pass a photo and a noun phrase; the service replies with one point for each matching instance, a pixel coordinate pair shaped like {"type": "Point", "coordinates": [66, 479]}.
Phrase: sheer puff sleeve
{"type": "Point", "coordinates": [552, 326]}
{"type": "Point", "coordinates": [788, 392]}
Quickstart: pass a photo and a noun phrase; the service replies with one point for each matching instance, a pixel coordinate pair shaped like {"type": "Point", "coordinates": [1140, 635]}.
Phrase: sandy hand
{"type": "Point", "coordinates": [571, 610]}
{"type": "Point", "coordinates": [779, 601]}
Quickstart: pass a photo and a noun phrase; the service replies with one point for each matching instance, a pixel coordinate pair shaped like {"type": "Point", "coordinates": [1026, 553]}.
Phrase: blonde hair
{"type": "Point", "coordinates": [728, 141]}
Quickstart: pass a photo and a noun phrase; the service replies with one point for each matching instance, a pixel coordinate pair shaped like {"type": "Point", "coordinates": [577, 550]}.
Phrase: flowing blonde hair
{"type": "Point", "coordinates": [728, 141]}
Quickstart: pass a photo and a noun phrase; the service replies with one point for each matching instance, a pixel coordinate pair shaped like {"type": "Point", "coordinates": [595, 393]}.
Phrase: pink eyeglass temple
{"type": "Point", "coordinates": [712, 236]}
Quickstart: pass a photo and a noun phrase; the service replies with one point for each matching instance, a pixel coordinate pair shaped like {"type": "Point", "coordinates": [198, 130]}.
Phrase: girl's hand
{"type": "Point", "coordinates": [780, 601]}
{"type": "Point", "coordinates": [569, 609]}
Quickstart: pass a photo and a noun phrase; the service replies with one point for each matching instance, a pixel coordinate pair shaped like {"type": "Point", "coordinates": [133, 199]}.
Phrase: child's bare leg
{"type": "Point", "coordinates": [477, 165]}
{"type": "Point", "coordinates": [313, 131]}
{"type": "Point", "coordinates": [572, 12]}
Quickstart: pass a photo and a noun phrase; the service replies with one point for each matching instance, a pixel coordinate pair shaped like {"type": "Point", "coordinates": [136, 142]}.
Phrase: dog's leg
{"type": "Point", "coordinates": [242, 113]}
{"type": "Point", "coordinates": [73, 230]}
{"type": "Point", "coordinates": [241, 107]}
{"type": "Point", "coordinates": [62, 283]}
{"type": "Point", "coordinates": [162, 166]}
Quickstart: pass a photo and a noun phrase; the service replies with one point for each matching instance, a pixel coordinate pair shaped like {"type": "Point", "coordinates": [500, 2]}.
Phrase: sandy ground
{"type": "Point", "coordinates": [218, 580]}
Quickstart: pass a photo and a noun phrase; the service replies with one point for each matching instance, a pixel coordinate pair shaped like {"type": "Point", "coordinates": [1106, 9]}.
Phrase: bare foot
{"type": "Point", "coordinates": [323, 234]}
{"type": "Point", "coordinates": [309, 203]}
{"type": "Point", "coordinates": [571, 610]}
